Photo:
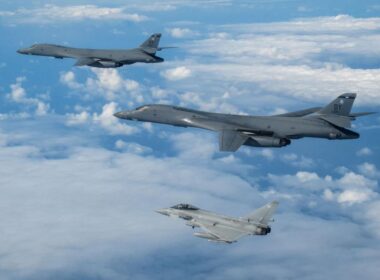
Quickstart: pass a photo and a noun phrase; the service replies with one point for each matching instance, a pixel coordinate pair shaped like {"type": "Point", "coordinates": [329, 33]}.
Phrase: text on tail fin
{"type": "Point", "coordinates": [152, 42]}
{"type": "Point", "coordinates": [340, 106]}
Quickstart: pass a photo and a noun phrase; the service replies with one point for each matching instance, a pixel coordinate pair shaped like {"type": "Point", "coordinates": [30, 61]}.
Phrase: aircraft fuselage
{"type": "Point", "coordinates": [273, 126]}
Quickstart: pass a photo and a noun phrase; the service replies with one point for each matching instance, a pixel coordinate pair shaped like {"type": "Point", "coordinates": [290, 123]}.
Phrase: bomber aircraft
{"type": "Point", "coordinates": [221, 228]}
{"type": "Point", "coordinates": [330, 122]}
{"type": "Point", "coordinates": [102, 58]}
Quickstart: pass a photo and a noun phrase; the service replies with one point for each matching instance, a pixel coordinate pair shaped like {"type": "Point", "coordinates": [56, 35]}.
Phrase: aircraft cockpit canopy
{"type": "Point", "coordinates": [183, 206]}
{"type": "Point", "coordinates": [142, 108]}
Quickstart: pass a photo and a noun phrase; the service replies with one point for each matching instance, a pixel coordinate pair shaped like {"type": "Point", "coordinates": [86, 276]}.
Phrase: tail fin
{"type": "Point", "coordinates": [340, 106]}
{"type": "Point", "coordinates": [264, 214]}
{"type": "Point", "coordinates": [151, 44]}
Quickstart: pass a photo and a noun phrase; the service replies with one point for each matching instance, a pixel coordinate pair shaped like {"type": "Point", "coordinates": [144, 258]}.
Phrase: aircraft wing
{"type": "Point", "coordinates": [264, 214]}
{"type": "Point", "coordinates": [223, 233]}
{"type": "Point", "coordinates": [231, 140]}
{"type": "Point", "coordinates": [337, 120]}
{"type": "Point", "coordinates": [164, 48]}
{"type": "Point", "coordinates": [355, 115]}
{"type": "Point", "coordinates": [300, 113]}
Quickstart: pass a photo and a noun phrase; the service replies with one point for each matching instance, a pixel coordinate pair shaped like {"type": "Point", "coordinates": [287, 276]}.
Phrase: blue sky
{"type": "Point", "coordinates": [79, 187]}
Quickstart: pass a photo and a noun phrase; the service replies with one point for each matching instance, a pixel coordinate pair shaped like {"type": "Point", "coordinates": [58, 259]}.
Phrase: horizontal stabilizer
{"type": "Point", "coordinates": [300, 113]}
{"type": "Point", "coordinates": [356, 115]}
{"type": "Point", "coordinates": [231, 140]}
{"type": "Point", "coordinates": [83, 61]}
{"type": "Point", "coordinates": [163, 48]}
{"type": "Point", "coordinates": [264, 214]}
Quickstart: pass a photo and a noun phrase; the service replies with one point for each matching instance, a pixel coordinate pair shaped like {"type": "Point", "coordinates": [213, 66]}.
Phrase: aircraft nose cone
{"type": "Point", "coordinates": [124, 115]}
{"type": "Point", "coordinates": [163, 212]}
{"type": "Point", "coordinates": [118, 115]}
{"type": "Point", "coordinates": [22, 51]}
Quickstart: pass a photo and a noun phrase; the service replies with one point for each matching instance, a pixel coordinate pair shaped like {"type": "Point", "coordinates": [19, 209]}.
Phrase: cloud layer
{"type": "Point", "coordinates": [90, 213]}
{"type": "Point", "coordinates": [54, 13]}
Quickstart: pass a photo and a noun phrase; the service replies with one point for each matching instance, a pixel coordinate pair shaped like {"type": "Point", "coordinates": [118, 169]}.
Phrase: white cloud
{"type": "Point", "coordinates": [355, 196]}
{"type": "Point", "coordinates": [107, 83]}
{"type": "Point", "coordinates": [306, 176]}
{"type": "Point", "coordinates": [328, 194]}
{"type": "Point", "coordinates": [159, 93]}
{"type": "Point", "coordinates": [267, 153]}
{"type": "Point", "coordinates": [178, 32]}
{"type": "Point", "coordinates": [111, 220]}
{"type": "Point", "coordinates": [298, 161]}
{"type": "Point", "coordinates": [114, 202]}
{"type": "Point", "coordinates": [53, 13]}
{"type": "Point", "coordinates": [335, 24]}
{"type": "Point", "coordinates": [194, 145]}
{"type": "Point", "coordinates": [177, 73]}
{"type": "Point", "coordinates": [364, 152]}
{"type": "Point", "coordinates": [307, 59]}
{"type": "Point", "coordinates": [133, 148]}
{"type": "Point", "coordinates": [369, 169]}
{"type": "Point", "coordinates": [351, 188]}
{"type": "Point", "coordinates": [77, 119]}
{"type": "Point", "coordinates": [354, 180]}
{"type": "Point", "coordinates": [110, 123]}
{"type": "Point", "coordinates": [110, 83]}
{"type": "Point", "coordinates": [299, 81]}
{"type": "Point", "coordinates": [372, 218]}
{"type": "Point", "coordinates": [42, 108]}
{"type": "Point", "coordinates": [68, 79]}
{"type": "Point", "coordinates": [19, 95]}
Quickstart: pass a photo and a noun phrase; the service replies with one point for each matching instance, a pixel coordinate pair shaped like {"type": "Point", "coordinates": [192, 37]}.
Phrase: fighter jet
{"type": "Point", "coordinates": [146, 52]}
{"type": "Point", "coordinates": [221, 228]}
{"type": "Point", "coordinates": [330, 122]}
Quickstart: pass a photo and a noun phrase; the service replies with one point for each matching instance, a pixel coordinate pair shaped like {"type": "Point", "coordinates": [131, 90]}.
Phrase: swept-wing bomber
{"type": "Point", "coordinates": [102, 58]}
{"type": "Point", "coordinates": [220, 228]}
{"type": "Point", "coordinates": [330, 122]}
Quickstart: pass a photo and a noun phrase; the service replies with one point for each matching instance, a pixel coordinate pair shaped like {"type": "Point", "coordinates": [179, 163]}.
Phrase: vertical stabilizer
{"type": "Point", "coordinates": [264, 214]}
{"type": "Point", "coordinates": [341, 106]}
{"type": "Point", "coordinates": [151, 44]}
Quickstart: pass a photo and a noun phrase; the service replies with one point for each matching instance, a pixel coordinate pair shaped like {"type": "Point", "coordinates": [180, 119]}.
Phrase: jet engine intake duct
{"type": "Point", "coordinates": [266, 141]}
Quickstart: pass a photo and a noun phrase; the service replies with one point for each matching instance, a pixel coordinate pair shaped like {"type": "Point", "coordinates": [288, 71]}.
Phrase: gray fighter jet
{"type": "Point", "coordinates": [330, 122]}
{"type": "Point", "coordinates": [221, 228]}
{"type": "Point", "coordinates": [146, 52]}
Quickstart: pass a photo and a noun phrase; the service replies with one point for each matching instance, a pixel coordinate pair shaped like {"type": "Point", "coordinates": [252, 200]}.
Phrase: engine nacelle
{"type": "Point", "coordinates": [106, 64]}
{"type": "Point", "coordinates": [263, 230]}
{"type": "Point", "coordinates": [335, 135]}
{"type": "Point", "coordinates": [267, 141]}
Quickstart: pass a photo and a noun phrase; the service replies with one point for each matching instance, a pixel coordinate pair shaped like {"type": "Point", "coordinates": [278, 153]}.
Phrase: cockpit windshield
{"type": "Point", "coordinates": [185, 207]}
{"type": "Point", "coordinates": [142, 108]}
